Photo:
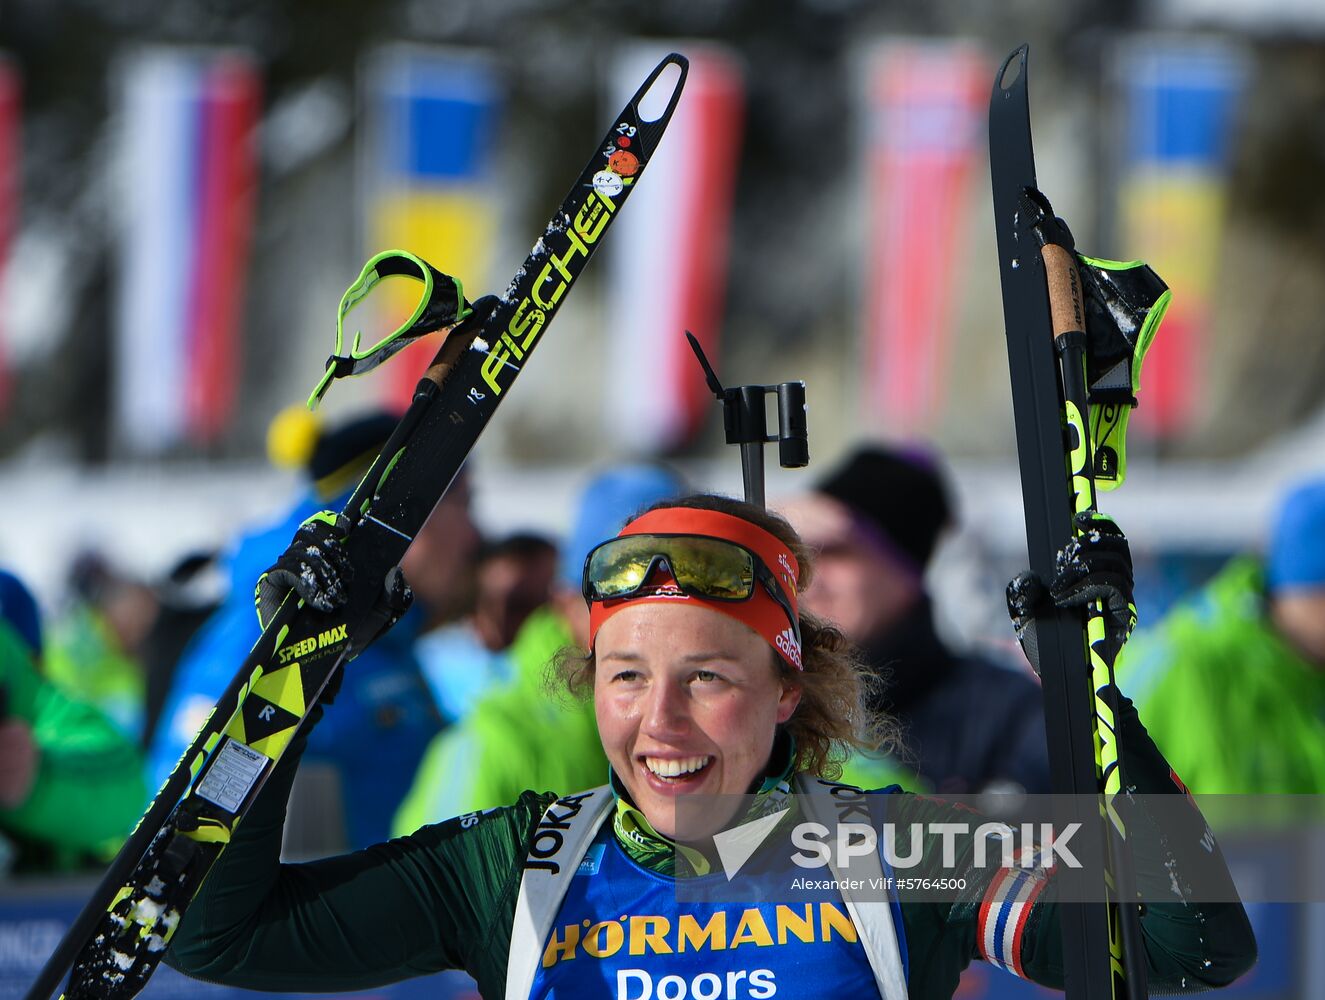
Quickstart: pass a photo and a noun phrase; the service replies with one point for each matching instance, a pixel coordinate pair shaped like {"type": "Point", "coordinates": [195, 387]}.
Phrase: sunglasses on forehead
{"type": "Point", "coordinates": [712, 568]}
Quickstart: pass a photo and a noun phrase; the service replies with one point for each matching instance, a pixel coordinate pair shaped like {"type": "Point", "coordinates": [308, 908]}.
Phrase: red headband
{"type": "Point", "coordinates": [761, 612]}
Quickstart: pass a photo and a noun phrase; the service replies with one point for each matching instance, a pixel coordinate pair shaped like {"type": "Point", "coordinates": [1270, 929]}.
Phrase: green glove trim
{"type": "Point", "coordinates": [1110, 265]}
{"type": "Point", "coordinates": [441, 304]}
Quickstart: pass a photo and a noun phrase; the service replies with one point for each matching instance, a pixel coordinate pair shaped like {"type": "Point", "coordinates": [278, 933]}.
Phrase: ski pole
{"type": "Point", "coordinates": [1067, 311]}
{"type": "Point", "coordinates": [1093, 936]}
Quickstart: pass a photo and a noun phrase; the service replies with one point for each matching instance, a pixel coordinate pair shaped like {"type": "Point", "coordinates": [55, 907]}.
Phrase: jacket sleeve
{"type": "Point", "coordinates": [438, 899]}
{"type": "Point", "coordinates": [1191, 945]}
{"type": "Point", "coordinates": [88, 790]}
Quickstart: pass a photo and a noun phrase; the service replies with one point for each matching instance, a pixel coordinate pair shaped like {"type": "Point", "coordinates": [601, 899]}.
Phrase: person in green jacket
{"type": "Point", "coordinates": [1245, 655]}
{"type": "Point", "coordinates": [71, 785]}
{"type": "Point", "coordinates": [516, 736]}
{"type": "Point", "coordinates": [92, 653]}
{"type": "Point", "coordinates": [723, 710]}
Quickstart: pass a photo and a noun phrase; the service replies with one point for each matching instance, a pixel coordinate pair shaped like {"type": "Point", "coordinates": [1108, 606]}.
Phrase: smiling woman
{"type": "Point", "coordinates": [829, 718]}
{"type": "Point", "coordinates": [710, 689]}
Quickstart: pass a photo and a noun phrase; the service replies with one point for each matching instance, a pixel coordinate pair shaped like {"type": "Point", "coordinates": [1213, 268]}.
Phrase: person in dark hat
{"type": "Point", "coordinates": [967, 724]}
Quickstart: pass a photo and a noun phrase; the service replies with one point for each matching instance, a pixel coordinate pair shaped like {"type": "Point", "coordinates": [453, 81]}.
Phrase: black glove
{"type": "Point", "coordinates": [1095, 565]}
{"type": "Point", "coordinates": [314, 566]}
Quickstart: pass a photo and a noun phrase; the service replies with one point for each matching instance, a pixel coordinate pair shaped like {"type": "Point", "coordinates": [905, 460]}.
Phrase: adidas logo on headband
{"type": "Point", "coordinates": [786, 641]}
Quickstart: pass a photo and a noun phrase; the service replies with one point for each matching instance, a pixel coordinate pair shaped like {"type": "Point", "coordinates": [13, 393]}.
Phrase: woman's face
{"type": "Point", "coordinates": [688, 700]}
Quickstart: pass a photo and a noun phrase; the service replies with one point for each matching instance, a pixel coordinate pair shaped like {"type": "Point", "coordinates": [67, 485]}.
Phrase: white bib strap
{"type": "Point", "coordinates": [824, 802]}
{"type": "Point", "coordinates": [559, 844]}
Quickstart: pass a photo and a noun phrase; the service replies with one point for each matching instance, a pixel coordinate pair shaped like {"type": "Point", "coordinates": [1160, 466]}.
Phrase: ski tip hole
{"type": "Point", "coordinates": [655, 101]}
{"type": "Point", "coordinates": [1012, 69]}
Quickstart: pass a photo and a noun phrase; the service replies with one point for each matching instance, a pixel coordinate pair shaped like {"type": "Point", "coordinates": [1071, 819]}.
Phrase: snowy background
{"type": "Point", "coordinates": [151, 331]}
{"type": "Point", "coordinates": [792, 286]}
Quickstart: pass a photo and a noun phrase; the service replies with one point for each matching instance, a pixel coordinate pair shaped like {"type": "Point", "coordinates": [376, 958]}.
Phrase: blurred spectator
{"type": "Point", "coordinates": [514, 580]}
{"type": "Point", "coordinates": [440, 562]}
{"type": "Point", "coordinates": [186, 597]}
{"type": "Point", "coordinates": [967, 724]}
{"type": "Point", "coordinates": [1246, 654]}
{"type": "Point", "coordinates": [519, 736]}
{"type": "Point", "coordinates": [383, 718]}
{"type": "Point", "coordinates": [18, 609]}
{"type": "Point", "coordinates": [461, 660]}
{"type": "Point", "coordinates": [71, 785]}
{"type": "Point", "coordinates": [94, 648]}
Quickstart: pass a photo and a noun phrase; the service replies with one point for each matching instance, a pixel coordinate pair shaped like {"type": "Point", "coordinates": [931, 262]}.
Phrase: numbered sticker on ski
{"type": "Point", "coordinates": [119, 938]}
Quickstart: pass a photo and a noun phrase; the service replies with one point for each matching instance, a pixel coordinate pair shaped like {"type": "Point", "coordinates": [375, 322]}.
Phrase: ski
{"type": "Point", "coordinates": [1057, 423]}
{"type": "Point", "coordinates": [121, 935]}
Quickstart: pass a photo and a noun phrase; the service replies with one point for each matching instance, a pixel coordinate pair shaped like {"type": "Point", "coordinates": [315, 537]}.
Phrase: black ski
{"type": "Point", "coordinates": [119, 938]}
{"type": "Point", "coordinates": [1103, 950]}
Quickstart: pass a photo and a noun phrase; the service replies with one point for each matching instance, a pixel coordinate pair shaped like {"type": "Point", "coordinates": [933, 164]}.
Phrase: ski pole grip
{"type": "Point", "coordinates": [459, 338]}
{"type": "Point", "coordinates": [1066, 302]}
{"type": "Point", "coordinates": [447, 356]}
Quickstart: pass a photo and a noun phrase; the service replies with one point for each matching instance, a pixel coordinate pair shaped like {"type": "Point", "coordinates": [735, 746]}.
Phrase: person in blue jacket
{"type": "Point", "coordinates": [386, 716]}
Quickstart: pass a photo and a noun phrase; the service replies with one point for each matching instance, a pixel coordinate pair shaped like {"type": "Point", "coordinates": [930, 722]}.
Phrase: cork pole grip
{"type": "Point", "coordinates": [448, 354]}
{"type": "Point", "coordinates": [1065, 300]}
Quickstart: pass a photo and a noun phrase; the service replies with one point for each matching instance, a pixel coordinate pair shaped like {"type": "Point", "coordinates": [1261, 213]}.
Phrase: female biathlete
{"type": "Point", "coordinates": [709, 686]}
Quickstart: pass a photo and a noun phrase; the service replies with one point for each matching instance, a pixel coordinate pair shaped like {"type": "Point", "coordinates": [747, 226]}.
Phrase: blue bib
{"type": "Point", "coordinates": [621, 933]}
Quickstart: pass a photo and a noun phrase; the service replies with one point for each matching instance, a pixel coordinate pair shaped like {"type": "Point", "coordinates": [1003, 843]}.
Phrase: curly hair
{"type": "Point", "coordinates": [831, 719]}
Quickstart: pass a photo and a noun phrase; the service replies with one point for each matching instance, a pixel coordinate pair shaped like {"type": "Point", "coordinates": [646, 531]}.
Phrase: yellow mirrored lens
{"type": "Point", "coordinates": [718, 569]}
{"type": "Point", "coordinates": [706, 566]}
{"type": "Point", "coordinates": [613, 571]}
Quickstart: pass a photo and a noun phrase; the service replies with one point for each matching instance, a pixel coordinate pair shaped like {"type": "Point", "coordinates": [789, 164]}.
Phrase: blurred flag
{"type": "Point", "coordinates": [428, 155]}
{"type": "Point", "coordinates": [1180, 102]}
{"type": "Point", "coordinates": [10, 95]}
{"type": "Point", "coordinates": [925, 107]}
{"type": "Point", "coordinates": [668, 254]}
{"type": "Point", "coordinates": [187, 164]}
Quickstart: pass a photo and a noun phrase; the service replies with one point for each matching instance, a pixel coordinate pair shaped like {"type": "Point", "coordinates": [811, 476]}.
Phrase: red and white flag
{"type": "Point", "coordinates": [668, 254]}
{"type": "Point", "coordinates": [924, 103]}
{"type": "Point", "coordinates": [10, 114]}
{"type": "Point", "coordinates": [187, 164]}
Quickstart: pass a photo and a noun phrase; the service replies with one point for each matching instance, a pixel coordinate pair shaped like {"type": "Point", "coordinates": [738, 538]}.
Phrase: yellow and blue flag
{"type": "Point", "coordinates": [432, 117]}
{"type": "Point", "coordinates": [1181, 100]}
